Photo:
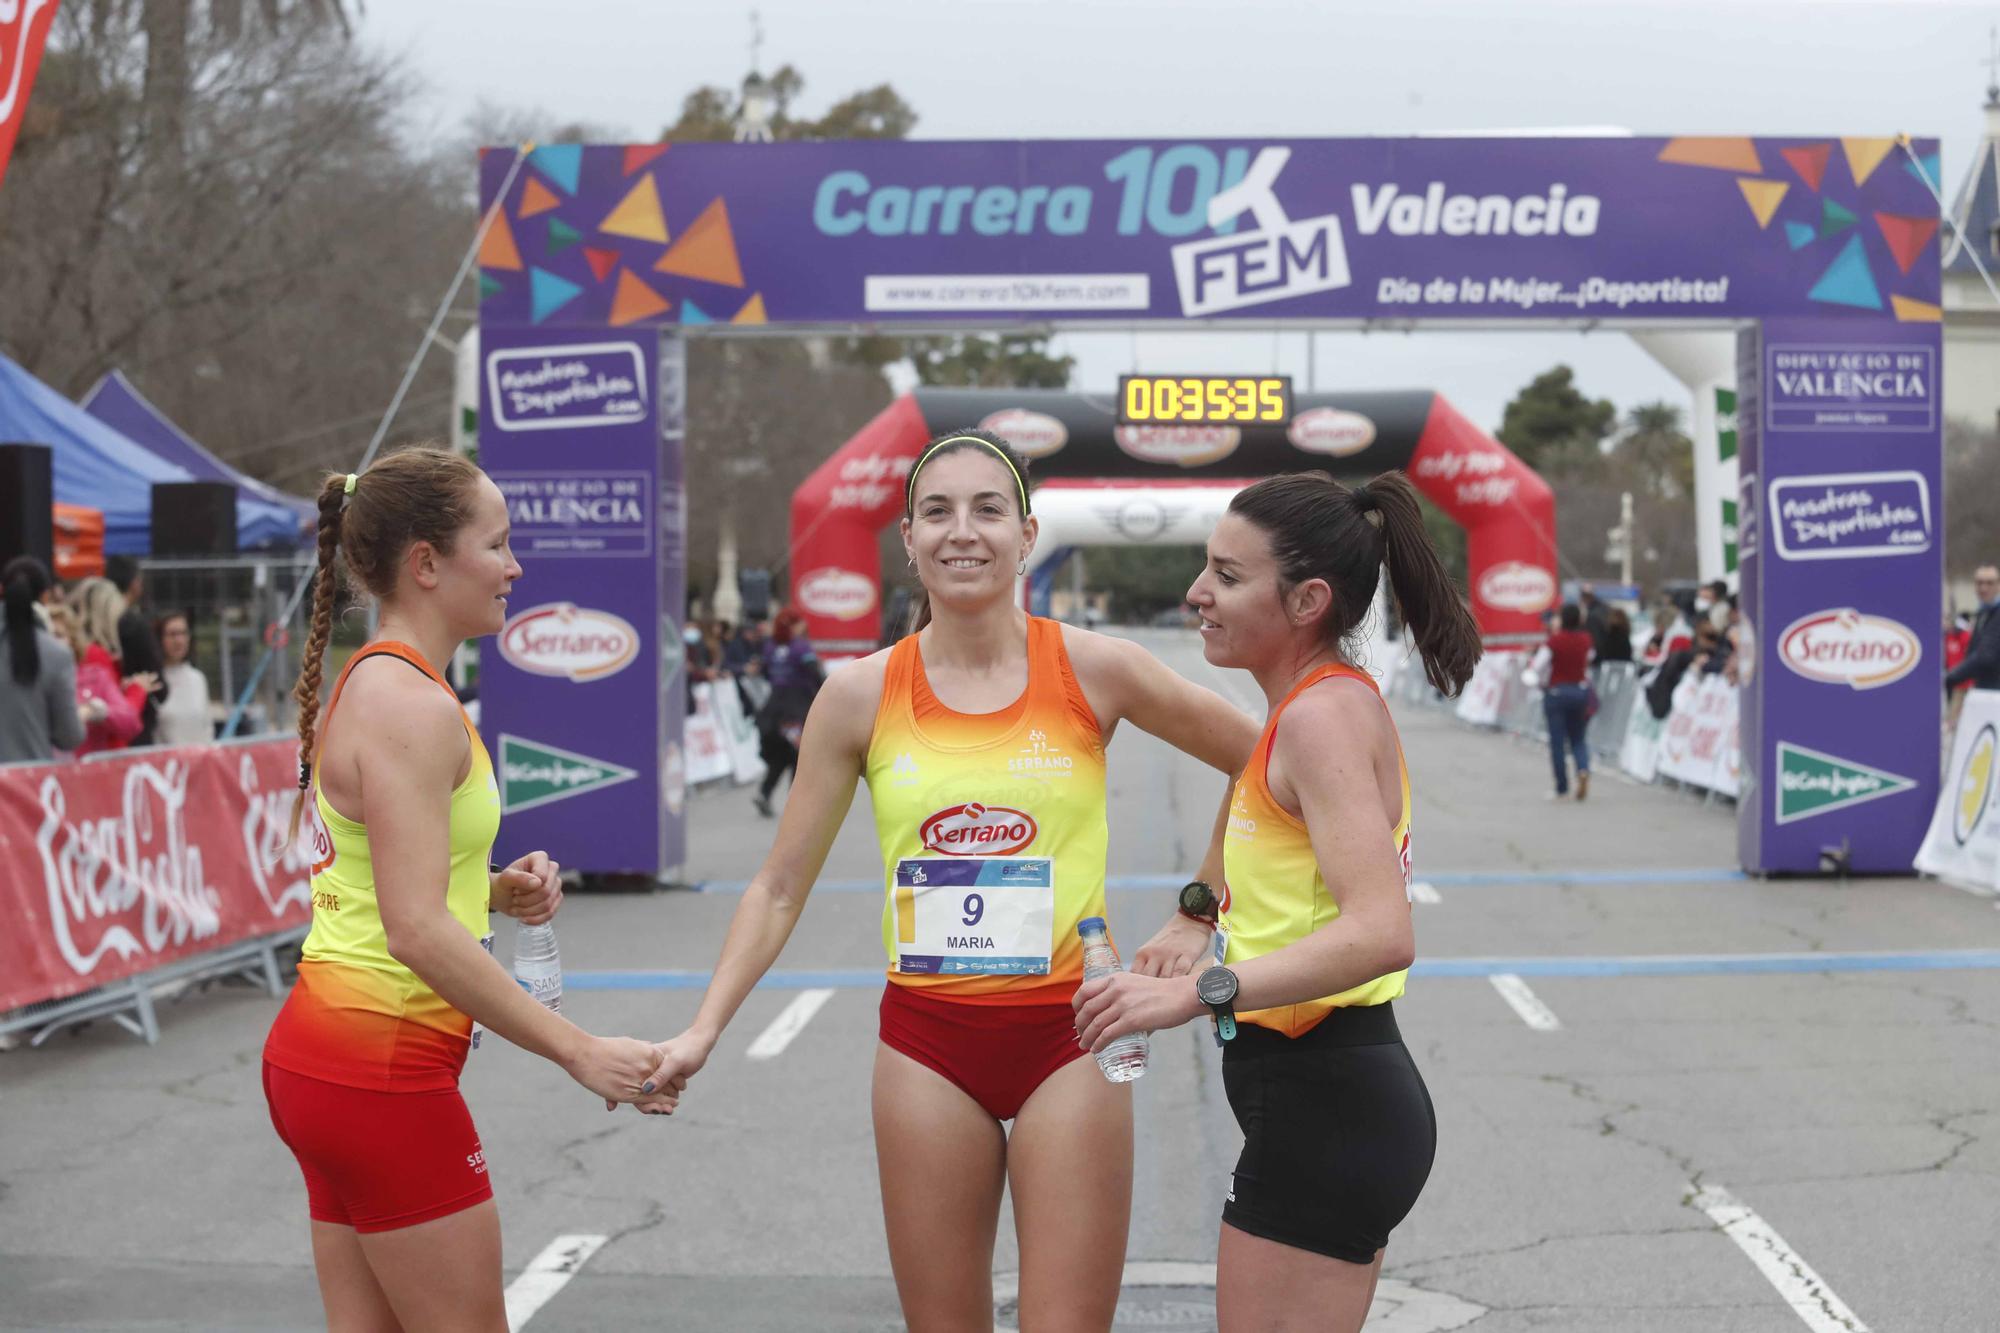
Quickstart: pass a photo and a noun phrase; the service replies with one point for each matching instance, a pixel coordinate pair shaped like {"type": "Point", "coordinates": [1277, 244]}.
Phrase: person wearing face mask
{"type": "Point", "coordinates": [982, 738]}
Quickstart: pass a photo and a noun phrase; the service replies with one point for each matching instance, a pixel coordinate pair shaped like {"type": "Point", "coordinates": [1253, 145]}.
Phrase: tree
{"type": "Point", "coordinates": [1656, 451]}
{"type": "Point", "coordinates": [711, 114]}
{"type": "Point", "coordinates": [1006, 361]}
{"type": "Point", "coordinates": [1551, 418]}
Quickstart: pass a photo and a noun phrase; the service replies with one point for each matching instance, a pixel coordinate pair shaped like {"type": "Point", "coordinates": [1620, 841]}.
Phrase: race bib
{"type": "Point", "coordinates": [975, 915]}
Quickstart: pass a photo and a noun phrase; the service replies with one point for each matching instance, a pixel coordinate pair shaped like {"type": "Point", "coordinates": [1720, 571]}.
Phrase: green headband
{"type": "Point", "coordinates": [910, 484]}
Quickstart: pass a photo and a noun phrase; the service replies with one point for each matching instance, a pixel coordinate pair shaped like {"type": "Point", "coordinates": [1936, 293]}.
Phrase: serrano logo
{"type": "Point", "coordinates": [1844, 647]}
{"type": "Point", "coordinates": [1186, 446]}
{"type": "Point", "coordinates": [839, 593]}
{"type": "Point", "coordinates": [1328, 430]}
{"type": "Point", "coordinates": [1035, 434]}
{"type": "Point", "coordinates": [1515, 586]}
{"type": "Point", "coordinates": [978, 830]}
{"type": "Point", "coordinates": [564, 639]}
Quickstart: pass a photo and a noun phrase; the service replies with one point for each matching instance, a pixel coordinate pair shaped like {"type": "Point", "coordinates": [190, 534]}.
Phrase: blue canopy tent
{"type": "Point", "coordinates": [116, 403]}
{"type": "Point", "coordinates": [99, 468]}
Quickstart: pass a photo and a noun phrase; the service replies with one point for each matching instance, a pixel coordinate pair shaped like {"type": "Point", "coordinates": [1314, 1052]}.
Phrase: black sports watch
{"type": "Point", "coordinates": [1197, 902]}
{"type": "Point", "coordinates": [1216, 988]}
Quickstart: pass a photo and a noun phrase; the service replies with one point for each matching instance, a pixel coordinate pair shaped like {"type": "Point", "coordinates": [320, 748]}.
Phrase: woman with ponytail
{"type": "Point", "coordinates": [1338, 1129]}
{"type": "Point", "coordinates": [361, 1067]}
{"type": "Point", "coordinates": [982, 738]}
{"type": "Point", "coordinates": [38, 703]}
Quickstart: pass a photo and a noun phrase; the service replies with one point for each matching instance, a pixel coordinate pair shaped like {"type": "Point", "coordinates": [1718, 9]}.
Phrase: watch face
{"type": "Point", "coordinates": [1198, 898]}
{"type": "Point", "coordinates": [1216, 986]}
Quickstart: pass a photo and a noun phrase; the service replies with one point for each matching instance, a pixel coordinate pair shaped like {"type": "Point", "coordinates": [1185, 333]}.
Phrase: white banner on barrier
{"type": "Point", "coordinates": [706, 746]}
{"type": "Point", "coordinates": [1699, 745]}
{"type": "Point", "coordinates": [740, 731]}
{"type": "Point", "coordinates": [1479, 703]}
{"type": "Point", "coordinates": [1964, 839]}
{"type": "Point", "coordinates": [1640, 754]}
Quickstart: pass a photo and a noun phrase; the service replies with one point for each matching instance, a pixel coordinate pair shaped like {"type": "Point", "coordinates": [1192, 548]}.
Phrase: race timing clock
{"type": "Point", "coordinates": [1204, 400]}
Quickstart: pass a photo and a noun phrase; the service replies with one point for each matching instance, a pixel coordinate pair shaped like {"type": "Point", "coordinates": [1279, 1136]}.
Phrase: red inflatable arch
{"type": "Point", "coordinates": [1507, 511]}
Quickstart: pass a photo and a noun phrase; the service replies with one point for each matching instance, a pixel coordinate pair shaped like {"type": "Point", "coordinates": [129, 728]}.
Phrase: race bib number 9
{"type": "Point", "coordinates": [974, 915]}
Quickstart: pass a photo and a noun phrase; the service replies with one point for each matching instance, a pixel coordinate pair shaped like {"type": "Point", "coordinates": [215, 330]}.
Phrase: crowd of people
{"type": "Point", "coordinates": [84, 668]}
{"type": "Point", "coordinates": [776, 675]}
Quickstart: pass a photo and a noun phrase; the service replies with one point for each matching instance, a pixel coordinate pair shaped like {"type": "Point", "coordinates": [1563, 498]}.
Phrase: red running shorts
{"type": "Point", "coordinates": [378, 1161]}
{"type": "Point", "coordinates": [998, 1054]}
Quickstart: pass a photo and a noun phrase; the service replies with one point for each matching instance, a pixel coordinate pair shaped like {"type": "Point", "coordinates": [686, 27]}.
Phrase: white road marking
{"type": "Point", "coordinates": [1399, 1307]}
{"type": "Point", "coordinates": [546, 1275]}
{"type": "Point", "coordinates": [774, 1039]}
{"type": "Point", "coordinates": [1803, 1289]}
{"type": "Point", "coordinates": [1423, 891]}
{"type": "Point", "coordinates": [1524, 1002]}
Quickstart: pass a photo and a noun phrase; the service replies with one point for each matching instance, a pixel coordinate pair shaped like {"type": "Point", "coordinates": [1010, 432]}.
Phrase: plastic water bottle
{"type": "Point", "coordinates": [537, 965]}
{"type": "Point", "coordinates": [1125, 1059]}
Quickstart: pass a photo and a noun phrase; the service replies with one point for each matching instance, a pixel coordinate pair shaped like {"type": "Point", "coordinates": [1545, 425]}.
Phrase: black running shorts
{"type": "Point", "coordinates": [1338, 1133]}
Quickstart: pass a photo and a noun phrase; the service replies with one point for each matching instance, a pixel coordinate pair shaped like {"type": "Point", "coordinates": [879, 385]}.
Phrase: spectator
{"type": "Point", "coordinates": [95, 608]}
{"type": "Point", "coordinates": [184, 717]}
{"type": "Point", "coordinates": [743, 647]}
{"type": "Point", "coordinates": [1711, 603]}
{"type": "Point", "coordinates": [793, 673]}
{"type": "Point", "coordinates": [1616, 645]}
{"type": "Point", "coordinates": [137, 649]}
{"type": "Point", "coordinates": [1671, 634]}
{"type": "Point", "coordinates": [1981, 666]}
{"type": "Point", "coordinates": [1696, 656]}
{"type": "Point", "coordinates": [1562, 665]}
{"type": "Point", "coordinates": [38, 708]}
{"type": "Point", "coordinates": [1596, 615]}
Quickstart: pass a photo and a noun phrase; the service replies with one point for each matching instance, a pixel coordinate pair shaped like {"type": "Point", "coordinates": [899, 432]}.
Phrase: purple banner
{"type": "Point", "coordinates": [580, 693]}
{"type": "Point", "coordinates": [1840, 725]}
{"type": "Point", "coordinates": [988, 233]}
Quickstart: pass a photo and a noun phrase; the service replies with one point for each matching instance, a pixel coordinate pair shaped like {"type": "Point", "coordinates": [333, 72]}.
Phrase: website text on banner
{"type": "Point", "coordinates": [1963, 844]}
{"type": "Point", "coordinates": [1125, 231]}
{"type": "Point", "coordinates": [112, 868]}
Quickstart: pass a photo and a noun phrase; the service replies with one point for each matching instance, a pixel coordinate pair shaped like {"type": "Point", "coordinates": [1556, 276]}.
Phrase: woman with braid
{"type": "Point", "coordinates": [361, 1067]}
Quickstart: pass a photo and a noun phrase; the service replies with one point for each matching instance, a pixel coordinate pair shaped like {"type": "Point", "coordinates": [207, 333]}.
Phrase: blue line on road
{"type": "Point", "coordinates": [1631, 965]}
{"type": "Point", "coordinates": [1445, 879]}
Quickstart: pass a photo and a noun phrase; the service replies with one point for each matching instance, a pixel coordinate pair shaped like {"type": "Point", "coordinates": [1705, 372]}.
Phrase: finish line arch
{"type": "Point", "coordinates": [1507, 511]}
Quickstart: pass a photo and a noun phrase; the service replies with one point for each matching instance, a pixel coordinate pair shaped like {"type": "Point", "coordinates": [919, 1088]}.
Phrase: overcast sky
{"type": "Point", "coordinates": [1145, 68]}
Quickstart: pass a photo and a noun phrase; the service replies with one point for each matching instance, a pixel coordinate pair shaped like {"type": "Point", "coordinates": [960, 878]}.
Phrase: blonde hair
{"type": "Point", "coordinates": [97, 605]}
{"type": "Point", "coordinates": [62, 623]}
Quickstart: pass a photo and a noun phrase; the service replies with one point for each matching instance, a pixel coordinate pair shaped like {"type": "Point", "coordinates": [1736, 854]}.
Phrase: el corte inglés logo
{"type": "Point", "coordinates": [1812, 783]}
{"type": "Point", "coordinates": [533, 774]}
{"type": "Point", "coordinates": [973, 829]}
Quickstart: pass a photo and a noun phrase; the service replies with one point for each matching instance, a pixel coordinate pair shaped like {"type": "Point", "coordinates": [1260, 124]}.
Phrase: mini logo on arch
{"type": "Point", "coordinates": [973, 829]}
{"type": "Point", "coordinates": [1515, 586]}
{"type": "Point", "coordinates": [1329, 430]}
{"type": "Point", "coordinates": [1033, 434]}
{"type": "Point", "coordinates": [840, 594]}
{"type": "Point", "coordinates": [1844, 647]}
{"type": "Point", "coordinates": [564, 639]}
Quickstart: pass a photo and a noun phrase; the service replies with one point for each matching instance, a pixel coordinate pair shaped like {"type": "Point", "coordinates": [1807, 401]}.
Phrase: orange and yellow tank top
{"type": "Point", "coordinates": [1276, 894]}
{"type": "Point", "coordinates": [993, 831]}
{"type": "Point", "coordinates": [357, 1016]}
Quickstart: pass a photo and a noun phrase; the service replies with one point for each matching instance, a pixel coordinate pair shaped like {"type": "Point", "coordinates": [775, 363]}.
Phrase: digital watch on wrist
{"type": "Point", "coordinates": [1197, 902]}
{"type": "Point", "coordinates": [1216, 988]}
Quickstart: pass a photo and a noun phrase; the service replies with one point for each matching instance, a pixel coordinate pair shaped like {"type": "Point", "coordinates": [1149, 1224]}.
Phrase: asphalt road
{"type": "Point", "coordinates": [1667, 1121]}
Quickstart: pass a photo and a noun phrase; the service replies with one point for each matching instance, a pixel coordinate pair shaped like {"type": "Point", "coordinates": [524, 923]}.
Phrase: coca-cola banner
{"type": "Point", "coordinates": [1842, 549]}
{"type": "Point", "coordinates": [111, 868]}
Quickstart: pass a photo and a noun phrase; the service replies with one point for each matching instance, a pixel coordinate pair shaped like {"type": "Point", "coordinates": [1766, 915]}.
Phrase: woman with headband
{"type": "Point", "coordinates": [982, 738]}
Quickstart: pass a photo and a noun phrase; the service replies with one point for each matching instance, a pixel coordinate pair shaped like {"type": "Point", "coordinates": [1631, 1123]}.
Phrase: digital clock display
{"type": "Point", "coordinates": [1204, 400]}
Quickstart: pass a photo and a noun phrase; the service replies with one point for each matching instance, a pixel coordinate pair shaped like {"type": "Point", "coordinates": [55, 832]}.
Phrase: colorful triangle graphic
{"type": "Point", "coordinates": [562, 236]}
{"type": "Point", "coordinates": [1848, 280]}
{"type": "Point", "coordinates": [1926, 169]}
{"type": "Point", "coordinates": [488, 286]}
{"type": "Point", "coordinates": [1912, 311]}
{"type": "Point", "coordinates": [694, 314]}
{"type": "Point", "coordinates": [638, 214]}
{"type": "Point", "coordinates": [1810, 163]}
{"type": "Point", "coordinates": [1833, 218]}
{"type": "Point", "coordinates": [1864, 155]}
{"type": "Point", "coordinates": [1799, 234]}
{"type": "Point", "coordinates": [561, 163]}
{"type": "Point", "coordinates": [536, 198]}
{"type": "Point", "coordinates": [1907, 237]}
{"type": "Point", "coordinates": [496, 248]}
{"type": "Point", "coordinates": [635, 301]}
{"type": "Point", "coordinates": [752, 311]}
{"type": "Point", "coordinates": [639, 154]}
{"type": "Point", "coordinates": [706, 250]}
{"type": "Point", "coordinates": [1763, 197]}
{"type": "Point", "coordinates": [601, 261]}
{"type": "Point", "coordinates": [1723, 154]}
{"type": "Point", "coordinates": [548, 293]}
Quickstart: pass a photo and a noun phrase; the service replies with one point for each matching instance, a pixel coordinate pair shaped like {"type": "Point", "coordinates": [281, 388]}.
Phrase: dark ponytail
{"type": "Point", "coordinates": [1320, 529]}
{"type": "Point", "coordinates": [1426, 598]}
{"type": "Point", "coordinates": [26, 579]}
{"type": "Point", "coordinates": [969, 440]}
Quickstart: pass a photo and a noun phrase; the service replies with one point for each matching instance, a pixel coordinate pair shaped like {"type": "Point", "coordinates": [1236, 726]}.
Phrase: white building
{"type": "Point", "coordinates": [1971, 310]}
